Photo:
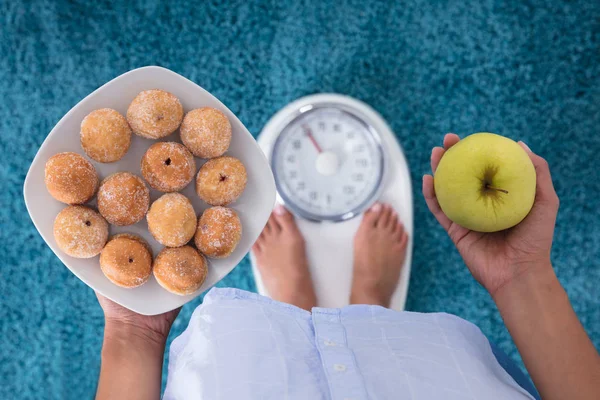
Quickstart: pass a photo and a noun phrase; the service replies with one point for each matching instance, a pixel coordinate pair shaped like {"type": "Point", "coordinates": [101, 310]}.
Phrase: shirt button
{"type": "Point", "coordinates": [339, 367]}
{"type": "Point", "coordinates": [329, 343]}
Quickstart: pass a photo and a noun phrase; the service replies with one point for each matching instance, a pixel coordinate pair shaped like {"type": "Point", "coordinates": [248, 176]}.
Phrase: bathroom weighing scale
{"type": "Point", "coordinates": [332, 157]}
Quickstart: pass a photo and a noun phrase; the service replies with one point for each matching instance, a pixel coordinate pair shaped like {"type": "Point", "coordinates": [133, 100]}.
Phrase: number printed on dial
{"type": "Point", "coordinates": [327, 163]}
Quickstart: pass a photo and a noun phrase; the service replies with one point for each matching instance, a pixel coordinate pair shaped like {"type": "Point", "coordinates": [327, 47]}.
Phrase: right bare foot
{"type": "Point", "coordinates": [281, 260]}
{"type": "Point", "coordinates": [379, 252]}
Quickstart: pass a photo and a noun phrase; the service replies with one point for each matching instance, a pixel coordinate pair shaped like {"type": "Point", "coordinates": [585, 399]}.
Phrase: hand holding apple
{"type": "Point", "coordinates": [495, 258]}
{"type": "Point", "coordinates": [485, 182]}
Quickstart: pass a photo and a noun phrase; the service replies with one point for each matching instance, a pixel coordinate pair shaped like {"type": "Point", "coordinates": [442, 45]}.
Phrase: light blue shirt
{"type": "Point", "coordinates": [240, 345]}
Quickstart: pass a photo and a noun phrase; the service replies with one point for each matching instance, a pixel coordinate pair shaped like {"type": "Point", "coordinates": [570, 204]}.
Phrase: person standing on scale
{"type": "Point", "coordinates": [240, 345]}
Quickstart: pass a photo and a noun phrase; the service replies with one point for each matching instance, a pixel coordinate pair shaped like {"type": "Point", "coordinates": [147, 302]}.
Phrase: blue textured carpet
{"type": "Point", "coordinates": [527, 69]}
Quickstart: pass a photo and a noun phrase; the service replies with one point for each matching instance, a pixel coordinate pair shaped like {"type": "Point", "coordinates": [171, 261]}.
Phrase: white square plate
{"type": "Point", "coordinates": [253, 207]}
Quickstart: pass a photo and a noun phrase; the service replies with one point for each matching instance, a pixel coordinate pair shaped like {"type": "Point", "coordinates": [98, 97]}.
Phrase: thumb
{"type": "Point", "coordinates": [544, 191]}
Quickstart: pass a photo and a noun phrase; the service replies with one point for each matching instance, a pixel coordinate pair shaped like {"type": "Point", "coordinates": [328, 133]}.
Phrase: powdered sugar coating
{"type": "Point", "coordinates": [206, 132]}
{"type": "Point", "coordinates": [126, 261]}
{"type": "Point", "coordinates": [168, 166]}
{"type": "Point", "coordinates": [123, 199]}
{"type": "Point", "coordinates": [180, 270]}
{"type": "Point", "coordinates": [154, 114]}
{"type": "Point", "coordinates": [80, 231]}
{"type": "Point", "coordinates": [105, 135]}
{"type": "Point", "coordinates": [70, 178]}
{"type": "Point", "coordinates": [172, 220]}
{"type": "Point", "coordinates": [219, 232]}
{"type": "Point", "coordinates": [221, 180]}
{"type": "Point", "coordinates": [134, 237]}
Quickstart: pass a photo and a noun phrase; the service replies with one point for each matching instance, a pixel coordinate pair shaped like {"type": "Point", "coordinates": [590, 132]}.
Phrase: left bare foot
{"type": "Point", "coordinates": [281, 259]}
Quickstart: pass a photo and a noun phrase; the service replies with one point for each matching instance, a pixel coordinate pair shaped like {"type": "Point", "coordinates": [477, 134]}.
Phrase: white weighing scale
{"type": "Point", "coordinates": [332, 157]}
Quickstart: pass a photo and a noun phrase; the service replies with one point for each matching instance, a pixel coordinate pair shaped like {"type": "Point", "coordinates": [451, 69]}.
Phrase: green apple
{"type": "Point", "coordinates": [485, 182]}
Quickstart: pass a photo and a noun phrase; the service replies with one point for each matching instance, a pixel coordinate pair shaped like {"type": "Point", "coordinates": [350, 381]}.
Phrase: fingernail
{"type": "Point", "coordinates": [279, 209]}
{"type": "Point", "coordinates": [376, 207]}
{"type": "Point", "coordinates": [526, 147]}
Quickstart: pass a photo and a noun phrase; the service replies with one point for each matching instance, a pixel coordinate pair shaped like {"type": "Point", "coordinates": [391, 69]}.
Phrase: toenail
{"type": "Point", "coordinates": [376, 207]}
{"type": "Point", "coordinates": [279, 209]}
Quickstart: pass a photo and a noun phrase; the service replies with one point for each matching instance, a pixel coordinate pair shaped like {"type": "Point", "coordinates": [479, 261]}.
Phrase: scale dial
{"type": "Point", "coordinates": [328, 163]}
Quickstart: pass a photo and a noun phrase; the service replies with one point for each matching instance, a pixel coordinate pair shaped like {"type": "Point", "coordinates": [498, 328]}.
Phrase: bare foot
{"type": "Point", "coordinates": [281, 260]}
{"type": "Point", "coordinates": [379, 251]}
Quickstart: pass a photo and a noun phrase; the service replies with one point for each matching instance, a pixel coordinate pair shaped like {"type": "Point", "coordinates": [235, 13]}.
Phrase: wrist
{"type": "Point", "coordinates": [529, 277]}
{"type": "Point", "coordinates": [133, 335]}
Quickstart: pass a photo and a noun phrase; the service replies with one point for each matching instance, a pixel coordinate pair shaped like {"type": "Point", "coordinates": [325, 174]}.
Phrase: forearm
{"type": "Point", "coordinates": [131, 364]}
{"type": "Point", "coordinates": [557, 352]}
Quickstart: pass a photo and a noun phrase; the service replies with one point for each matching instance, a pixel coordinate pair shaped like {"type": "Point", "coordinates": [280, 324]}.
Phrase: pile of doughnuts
{"type": "Point", "coordinates": [124, 198]}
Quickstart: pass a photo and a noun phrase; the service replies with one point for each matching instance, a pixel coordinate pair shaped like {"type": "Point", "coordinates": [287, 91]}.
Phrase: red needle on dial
{"type": "Point", "coordinates": [312, 138]}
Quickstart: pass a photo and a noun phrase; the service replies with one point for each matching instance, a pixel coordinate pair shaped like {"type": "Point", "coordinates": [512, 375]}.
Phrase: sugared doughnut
{"type": "Point", "coordinates": [105, 135]}
{"type": "Point", "coordinates": [206, 132]}
{"type": "Point", "coordinates": [134, 237]}
{"type": "Point", "coordinates": [80, 231]}
{"type": "Point", "coordinates": [180, 270]}
{"type": "Point", "coordinates": [221, 180]}
{"type": "Point", "coordinates": [219, 232]}
{"type": "Point", "coordinates": [70, 178]}
{"type": "Point", "coordinates": [168, 166]}
{"type": "Point", "coordinates": [123, 198]}
{"type": "Point", "coordinates": [154, 114]}
{"type": "Point", "coordinates": [126, 261]}
{"type": "Point", "coordinates": [172, 220]}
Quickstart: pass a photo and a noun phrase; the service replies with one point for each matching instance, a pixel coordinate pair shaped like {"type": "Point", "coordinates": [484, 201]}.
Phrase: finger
{"type": "Point", "coordinates": [436, 155]}
{"type": "Point", "coordinates": [101, 299]}
{"type": "Point", "coordinates": [256, 247]}
{"type": "Point", "coordinates": [432, 203]}
{"type": "Point", "coordinates": [450, 139]}
{"type": "Point", "coordinates": [545, 192]}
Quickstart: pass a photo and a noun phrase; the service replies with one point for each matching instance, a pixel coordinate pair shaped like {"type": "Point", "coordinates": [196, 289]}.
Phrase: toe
{"type": "Point", "coordinates": [386, 215]}
{"type": "Point", "coordinates": [267, 229]}
{"type": "Point", "coordinates": [273, 225]}
{"type": "Point", "coordinates": [262, 237]}
{"type": "Point", "coordinates": [259, 245]}
{"type": "Point", "coordinates": [394, 220]}
{"type": "Point", "coordinates": [398, 229]}
{"type": "Point", "coordinates": [284, 218]}
{"type": "Point", "coordinates": [371, 216]}
{"type": "Point", "coordinates": [403, 240]}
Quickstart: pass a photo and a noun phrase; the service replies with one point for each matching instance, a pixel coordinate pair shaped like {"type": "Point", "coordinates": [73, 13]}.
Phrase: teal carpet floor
{"type": "Point", "coordinates": [527, 69]}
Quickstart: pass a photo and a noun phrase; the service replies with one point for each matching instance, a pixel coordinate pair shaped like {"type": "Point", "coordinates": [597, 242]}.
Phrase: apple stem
{"type": "Point", "coordinates": [495, 188]}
